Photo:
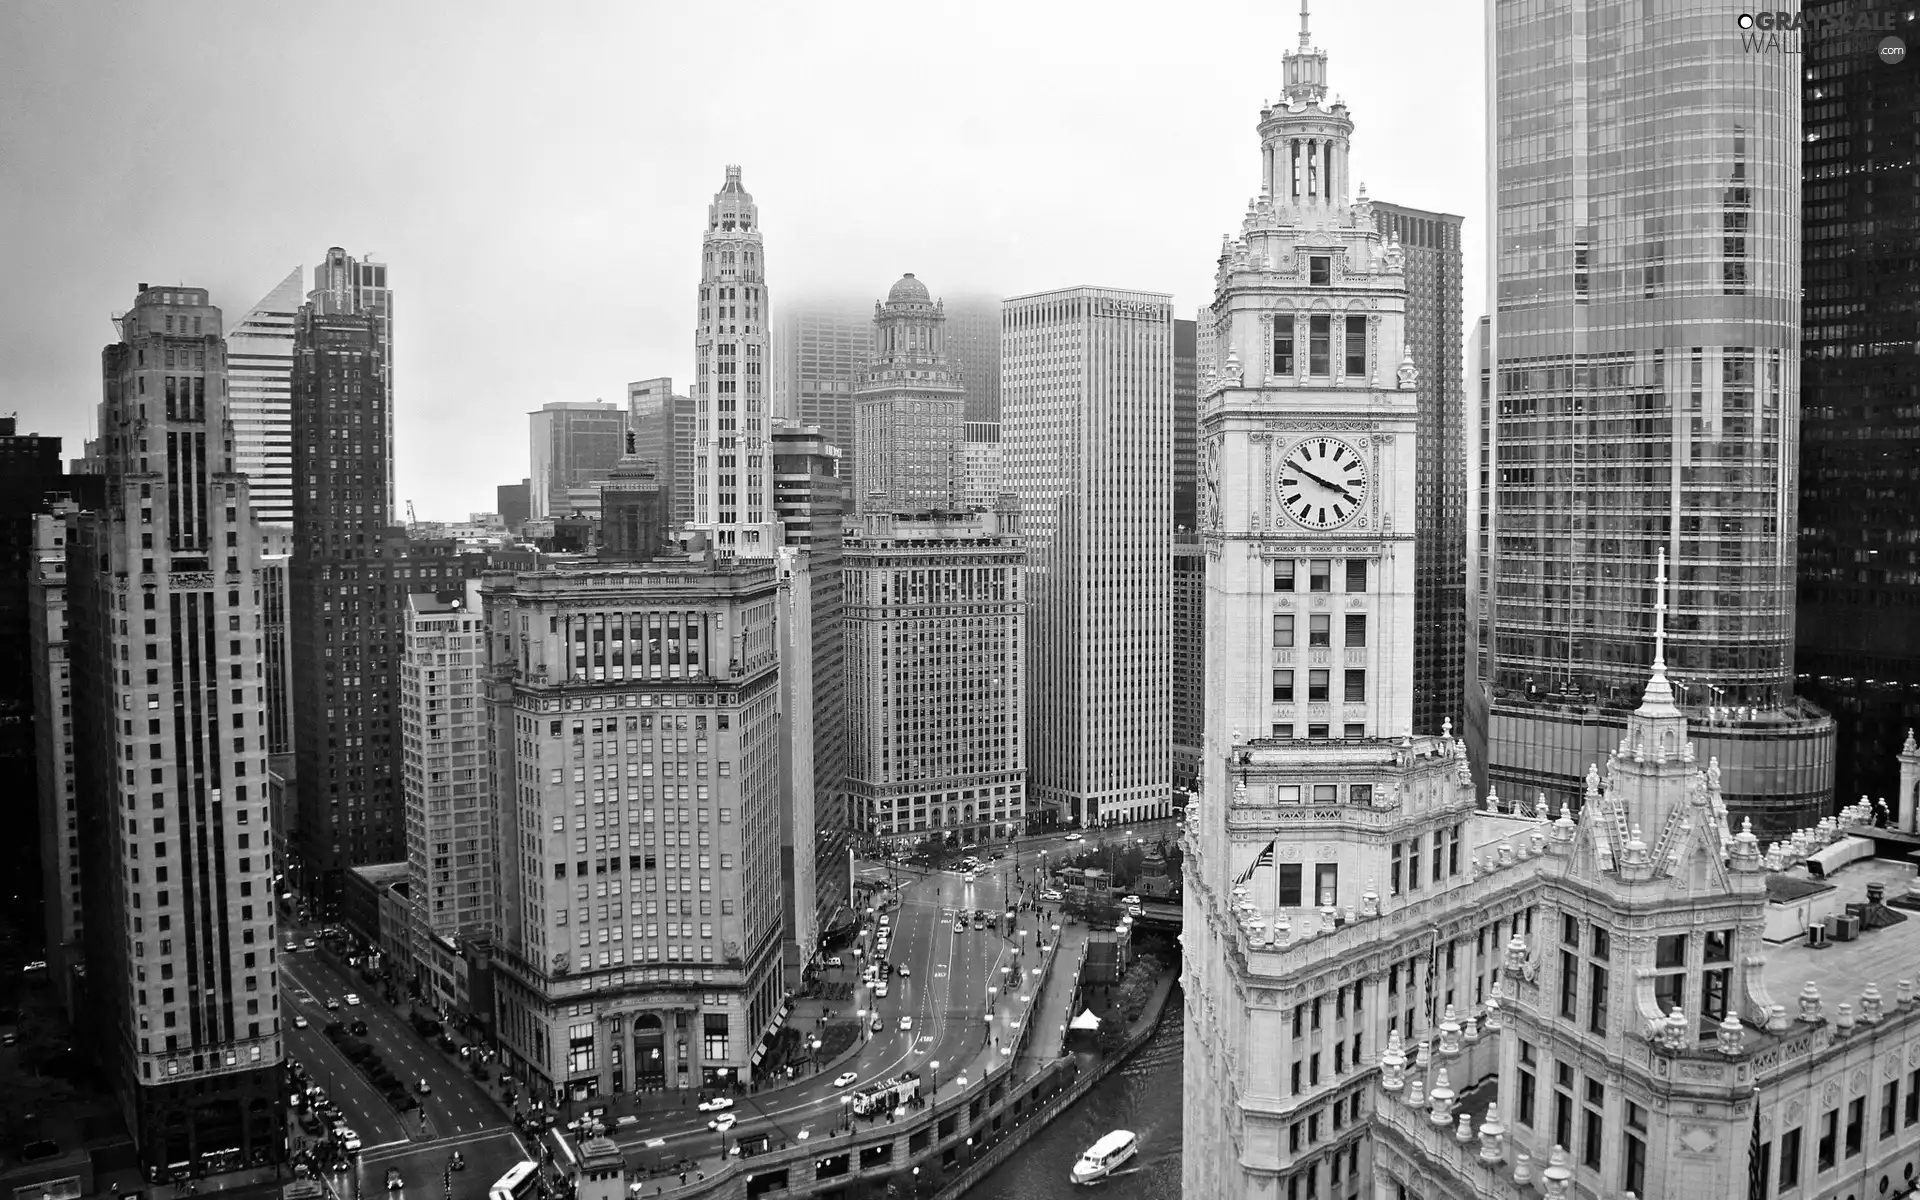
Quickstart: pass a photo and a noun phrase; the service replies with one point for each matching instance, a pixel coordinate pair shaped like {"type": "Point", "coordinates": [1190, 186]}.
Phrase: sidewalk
{"type": "Point", "coordinates": [1054, 1008]}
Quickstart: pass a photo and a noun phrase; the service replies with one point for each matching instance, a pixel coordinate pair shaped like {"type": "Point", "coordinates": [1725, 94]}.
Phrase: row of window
{"type": "Point", "coordinates": [1320, 346]}
{"type": "Point", "coordinates": [1286, 575]}
{"type": "Point", "coordinates": [1319, 686]}
{"type": "Point", "coordinates": [1319, 630]}
{"type": "Point", "coordinates": [1446, 860]}
{"type": "Point", "coordinates": [1828, 1149]}
{"type": "Point", "coordinates": [1588, 1103]}
{"type": "Point", "coordinates": [1592, 956]}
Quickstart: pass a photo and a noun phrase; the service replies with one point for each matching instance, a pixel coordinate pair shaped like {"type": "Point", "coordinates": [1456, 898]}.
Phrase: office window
{"type": "Point", "coordinates": [1317, 731]}
{"type": "Point", "coordinates": [1789, 1160]}
{"type": "Point", "coordinates": [1320, 575]}
{"type": "Point", "coordinates": [1290, 889]}
{"type": "Point", "coordinates": [1356, 685]}
{"type": "Point", "coordinates": [1528, 1085]}
{"type": "Point", "coordinates": [1889, 1108]}
{"type": "Point", "coordinates": [1283, 631]}
{"type": "Point", "coordinates": [1356, 346]}
{"type": "Point", "coordinates": [1569, 987]}
{"type": "Point", "coordinates": [1393, 876]}
{"type": "Point", "coordinates": [1283, 730]}
{"type": "Point", "coordinates": [1595, 1124]}
{"type": "Point", "coordinates": [1826, 1151]}
{"type": "Point", "coordinates": [1326, 793]}
{"type": "Point", "coordinates": [1356, 574]}
{"type": "Point", "coordinates": [1354, 729]}
{"type": "Point", "coordinates": [1856, 1124]}
{"type": "Point", "coordinates": [1283, 344]}
{"type": "Point", "coordinates": [1563, 1109]}
{"type": "Point", "coordinates": [1319, 271]}
{"type": "Point", "coordinates": [1912, 1116]}
{"type": "Point", "coordinates": [1633, 1166]}
{"type": "Point", "coordinates": [1319, 629]}
{"type": "Point", "coordinates": [1318, 685]}
{"type": "Point", "coordinates": [1283, 687]}
{"type": "Point", "coordinates": [1283, 575]}
{"type": "Point", "coordinates": [1356, 630]}
{"type": "Point", "coordinates": [1326, 883]}
{"type": "Point", "coordinates": [1319, 350]}
{"type": "Point", "coordinates": [1597, 980]}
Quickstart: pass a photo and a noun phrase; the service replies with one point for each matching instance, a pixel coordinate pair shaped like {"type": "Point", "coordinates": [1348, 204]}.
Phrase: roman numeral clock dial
{"type": "Point", "coordinates": [1322, 482]}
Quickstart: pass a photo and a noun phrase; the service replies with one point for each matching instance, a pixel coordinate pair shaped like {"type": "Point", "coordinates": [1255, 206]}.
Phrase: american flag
{"type": "Point", "coordinates": [1264, 859]}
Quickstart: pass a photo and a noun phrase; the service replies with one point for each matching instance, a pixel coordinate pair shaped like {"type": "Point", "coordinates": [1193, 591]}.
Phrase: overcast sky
{"type": "Point", "coordinates": [537, 175]}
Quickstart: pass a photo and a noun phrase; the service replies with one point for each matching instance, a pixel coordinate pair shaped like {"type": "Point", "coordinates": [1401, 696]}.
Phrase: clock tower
{"type": "Point", "coordinates": [1317, 805]}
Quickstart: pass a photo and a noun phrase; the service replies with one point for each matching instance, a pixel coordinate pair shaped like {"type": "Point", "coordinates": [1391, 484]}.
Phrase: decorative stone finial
{"type": "Point", "coordinates": [1810, 1008]}
{"type": "Point", "coordinates": [1558, 1177]}
{"type": "Point", "coordinates": [1393, 1064]}
{"type": "Point", "coordinates": [1732, 1036]}
{"type": "Point", "coordinates": [1493, 1136]}
{"type": "Point", "coordinates": [1872, 1008]}
{"type": "Point", "coordinates": [1440, 1103]}
{"type": "Point", "coordinates": [1463, 1130]}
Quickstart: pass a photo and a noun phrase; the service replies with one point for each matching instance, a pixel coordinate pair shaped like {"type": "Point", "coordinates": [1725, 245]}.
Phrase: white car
{"type": "Point", "coordinates": [299, 1022]}
{"type": "Point", "coordinates": [723, 1122]}
{"type": "Point", "coordinates": [1050, 894]}
{"type": "Point", "coordinates": [885, 920]}
{"type": "Point", "coordinates": [350, 1140]}
{"type": "Point", "coordinates": [880, 989]}
{"type": "Point", "coordinates": [1129, 899]}
{"type": "Point", "coordinates": [717, 1104]}
{"type": "Point", "coordinates": [905, 970]}
{"type": "Point", "coordinates": [906, 1022]}
{"type": "Point", "coordinates": [1073, 837]}
{"type": "Point", "coordinates": [834, 961]}
{"type": "Point", "coordinates": [353, 999]}
{"type": "Point", "coordinates": [846, 1080]}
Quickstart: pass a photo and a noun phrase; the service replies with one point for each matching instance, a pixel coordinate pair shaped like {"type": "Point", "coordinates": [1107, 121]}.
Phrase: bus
{"type": "Point", "coordinates": [879, 1098]}
{"type": "Point", "coordinates": [521, 1182]}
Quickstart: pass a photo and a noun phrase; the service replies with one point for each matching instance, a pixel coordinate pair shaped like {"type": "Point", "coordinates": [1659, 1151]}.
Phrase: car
{"type": "Point", "coordinates": [458, 1162]}
{"type": "Point", "coordinates": [885, 920]}
{"type": "Point", "coordinates": [1073, 837]}
{"type": "Point", "coordinates": [423, 1087]}
{"type": "Point", "coordinates": [349, 1140]}
{"type": "Point", "coordinates": [358, 1029]}
{"type": "Point", "coordinates": [845, 1080]}
{"type": "Point", "coordinates": [1050, 894]}
{"type": "Point", "coordinates": [717, 1104]}
{"type": "Point", "coordinates": [906, 1022]}
{"type": "Point", "coordinates": [333, 1005]}
{"type": "Point", "coordinates": [979, 922]}
{"type": "Point", "coordinates": [394, 1182]}
{"type": "Point", "coordinates": [353, 999]}
{"type": "Point", "coordinates": [1129, 899]}
{"type": "Point", "coordinates": [299, 1022]}
{"type": "Point", "coordinates": [311, 943]}
{"type": "Point", "coordinates": [878, 1024]}
{"type": "Point", "coordinates": [292, 946]}
{"type": "Point", "coordinates": [834, 961]}
{"type": "Point", "coordinates": [959, 925]}
{"type": "Point", "coordinates": [880, 989]}
{"type": "Point", "coordinates": [998, 855]}
{"type": "Point", "coordinates": [723, 1122]}
{"type": "Point", "coordinates": [905, 970]}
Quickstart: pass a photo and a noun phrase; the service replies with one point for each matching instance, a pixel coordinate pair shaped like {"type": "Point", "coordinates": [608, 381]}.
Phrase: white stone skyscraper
{"type": "Point", "coordinates": [909, 409]}
{"type": "Point", "coordinates": [732, 467]}
{"type": "Point", "coordinates": [1087, 446]}
{"type": "Point", "coordinates": [260, 398]}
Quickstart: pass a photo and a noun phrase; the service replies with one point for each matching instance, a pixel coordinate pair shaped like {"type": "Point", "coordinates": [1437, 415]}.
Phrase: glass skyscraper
{"type": "Point", "coordinates": [1646, 274]}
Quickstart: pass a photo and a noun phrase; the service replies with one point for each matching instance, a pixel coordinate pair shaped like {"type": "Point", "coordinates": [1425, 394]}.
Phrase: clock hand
{"type": "Point", "coordinates": [1332, 487]}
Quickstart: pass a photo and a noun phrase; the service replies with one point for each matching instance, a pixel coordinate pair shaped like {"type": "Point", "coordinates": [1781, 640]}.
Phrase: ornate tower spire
{"type": "Point", "coordinates": [1658, 700]}
{"type": "Point", "coordinates": [1304, 140]}
{"type": "Point", "coordinates": [1306, 69]}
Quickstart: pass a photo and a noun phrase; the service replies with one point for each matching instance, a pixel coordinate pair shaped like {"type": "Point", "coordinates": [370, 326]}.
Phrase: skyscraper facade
{"type": "Point", "coordinates": [820, 348]}
{"type": "Point", "coordinates": [664, 425]}
{"type": "Point", "coordinates": [1087, 440]}
{"type": "Point", "coordinates": [169, 718]}
{"type": "Point", "coordinates": [1645, 397]}
{"type": "Point", "coordinates": [935, 676]}
{"type": "Point", "coordinates": [572, 444]}
{"type": "Point", "coordinates": [260, 383]}
{"type": "Point", "coordinates": [1860, 371]}
{"type": "Point", "coordinates": [635, 714]}
{"type": "Point", "coordinates": [344, 284]}
{"type": "Point", "coordinates": [807, 500]}
{"type": "Point", "coordinates": [1185, 425]}
{"type": "Point", "coordinates": [449, 814]}
{"type": "Point", "coordinates": [63, 899]}
{"type": "Point", "coordinates": [1430, 247]}
{"type": "Point", "coordinates": [1189, 670]}
{"type": "Point", "coordinates": [733, 471]}
{"type": "Point", "coordinates": [909, 409]}
{"type": "Point", "coordinates": [982, 469]}
{"type": "Point", "coordinates": [973, 347]}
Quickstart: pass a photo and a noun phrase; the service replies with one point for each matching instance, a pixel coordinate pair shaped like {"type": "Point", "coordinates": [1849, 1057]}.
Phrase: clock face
{"type": "Point", "coordinates": [1322, 482]}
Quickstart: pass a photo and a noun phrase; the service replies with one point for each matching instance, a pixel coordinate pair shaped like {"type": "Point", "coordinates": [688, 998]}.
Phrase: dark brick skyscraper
{"type": "Point", "coordinates": [1856, 643]}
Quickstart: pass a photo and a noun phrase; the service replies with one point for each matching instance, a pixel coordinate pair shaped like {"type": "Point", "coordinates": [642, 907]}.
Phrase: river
{"type": "Point", "coordinates": [1144, 1095]}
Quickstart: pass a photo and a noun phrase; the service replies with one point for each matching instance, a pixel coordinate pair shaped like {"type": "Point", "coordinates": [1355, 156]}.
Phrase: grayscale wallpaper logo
{"type": "Point", "coordinates": [1782, 33]}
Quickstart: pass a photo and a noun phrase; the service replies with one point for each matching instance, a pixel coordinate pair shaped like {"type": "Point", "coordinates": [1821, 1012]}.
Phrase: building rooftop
{"type": "Point", "coordinates": [1842, 968]}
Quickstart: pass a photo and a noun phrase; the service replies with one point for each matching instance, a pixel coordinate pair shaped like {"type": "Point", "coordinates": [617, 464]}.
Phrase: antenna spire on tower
{"type": "Point", "coordinates": [1305, 40]}
{"type": "Point", "coordinates": [1660, 612]}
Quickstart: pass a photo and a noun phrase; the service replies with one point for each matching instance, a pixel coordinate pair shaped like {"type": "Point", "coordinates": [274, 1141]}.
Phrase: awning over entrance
{"type": "Point", "coordinates": [1086, 1020]}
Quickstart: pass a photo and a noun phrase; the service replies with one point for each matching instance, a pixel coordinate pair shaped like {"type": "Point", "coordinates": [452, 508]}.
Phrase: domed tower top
{"type": "Point", "coordinates": [1306, 68]}
{"type": "Point", "coordinates": [733, 207]}
{"type": "Point", "coordinates": [909, 291]}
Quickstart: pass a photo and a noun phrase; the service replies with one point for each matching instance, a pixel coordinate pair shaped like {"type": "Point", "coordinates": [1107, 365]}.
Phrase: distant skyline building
{"type": "Point", "coordinates": [982, 466]}
{"type": "Point", "coordinates": [1430, 249]}
{"type": "Point", "coordinates": [665, 425]}
{"type": "Point", "coordinates": [1186, 414]}
{"type": "Point", "coordinates": [820, 349]}
{"type": "Point", "coordinates": [63, 891]}
{"type": "Point", "coordinates": [260, 384]}
{"type": "Point", "coordinates": [908, 409]}
{"type": "Point", "coordinates": [807, 500]}
{"type": "Point", "coordinates": [733, 474]}
{"type": "Point", "coordinates": [451, 851]}
{"type": "Point", "coordinates": [639, 927]}
{"type": "Point", "coordinates": [176, 838]}
{"type": "Point", "coordinates": [514, 503]}
{"type": "Point", "coordinates": [1857, 647]}
{"type": "Point", "coordinates": [1646, 397]}
{"type": "Point", "coordinates": [344, 284]}
{"type": "Point", "coordinates": [572, 444]}
{"type": "Point", "coordinates": [1189, 658]}
{"type": "Point", "coordinates": [936, 635]}
{"type": "Point", "coordinates": [1087, 438]}
{"type": "Point", "coordinates": [973, 347]}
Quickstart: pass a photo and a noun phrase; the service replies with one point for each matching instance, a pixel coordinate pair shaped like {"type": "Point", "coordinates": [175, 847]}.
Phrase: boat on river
{"type": "Point", "coordinates": [1106, 1156]}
